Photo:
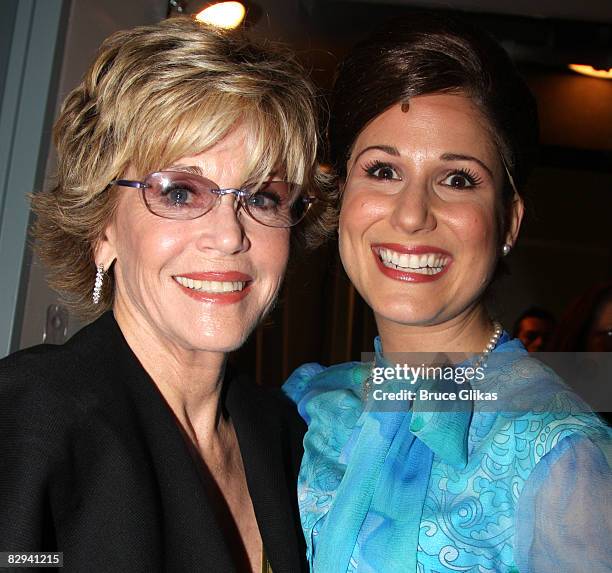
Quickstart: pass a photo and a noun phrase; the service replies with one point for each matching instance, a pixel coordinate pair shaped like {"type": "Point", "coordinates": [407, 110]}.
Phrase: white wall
{"type": "Point", "coordinates": [89, 22]}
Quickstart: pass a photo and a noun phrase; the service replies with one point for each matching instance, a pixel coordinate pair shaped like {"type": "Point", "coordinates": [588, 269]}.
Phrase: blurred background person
{"type": "Point", "coordinates": [534, 328]}
{"type": "Point", "coordinates": [586, 325]}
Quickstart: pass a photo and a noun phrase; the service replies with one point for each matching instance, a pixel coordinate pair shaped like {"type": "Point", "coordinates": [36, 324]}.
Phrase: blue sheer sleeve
{"type": "Point", "coordinates": [564, 514]}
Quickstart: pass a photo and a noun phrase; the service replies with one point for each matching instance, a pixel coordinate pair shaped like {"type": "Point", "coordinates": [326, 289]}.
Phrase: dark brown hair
{"type": "Point", "coordinates": [431, 53]}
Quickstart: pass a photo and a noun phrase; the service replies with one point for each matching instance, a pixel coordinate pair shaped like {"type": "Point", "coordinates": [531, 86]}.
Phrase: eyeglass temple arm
{"type": "Point", "coordinates": [129, 183]}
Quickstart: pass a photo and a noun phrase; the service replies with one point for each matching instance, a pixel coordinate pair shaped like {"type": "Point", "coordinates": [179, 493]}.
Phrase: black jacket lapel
{"type": "Point", "coordinates": [191, 533]}
{"type": "Point", "coordinates": [270, 436]}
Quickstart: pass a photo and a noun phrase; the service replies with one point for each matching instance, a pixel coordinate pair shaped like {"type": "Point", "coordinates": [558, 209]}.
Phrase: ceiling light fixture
{"type": "Point", "coordinates": [591, 71]}
{"type": "Point", "coordinates": [223, 14]}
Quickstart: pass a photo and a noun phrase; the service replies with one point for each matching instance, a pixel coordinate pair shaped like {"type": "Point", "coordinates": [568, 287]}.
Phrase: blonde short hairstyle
{"type": "Point", "coordinates": [155, 94]}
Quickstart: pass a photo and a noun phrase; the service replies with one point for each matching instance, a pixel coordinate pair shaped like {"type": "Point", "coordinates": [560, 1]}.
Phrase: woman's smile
{"type": "Point", "coordinates": [421, 263]}
{"type": "Point", "coordinates": [216, 287]}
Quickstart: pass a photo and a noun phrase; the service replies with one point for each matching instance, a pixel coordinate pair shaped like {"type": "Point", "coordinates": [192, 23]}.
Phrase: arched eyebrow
{"type": "Point", "coordinates": [390, 149]}
{"type": "Point", "coordinates": [186, 168]}
{"type": "Point", "coordinates": [461, 157]}
{"type": "Point", "coordinates": [277, 174]}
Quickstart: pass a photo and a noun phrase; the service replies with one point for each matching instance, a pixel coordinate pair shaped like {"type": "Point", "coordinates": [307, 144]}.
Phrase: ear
{"type": "Point", "coordinates": [515, 217]}
{"type": "Point", "coordinates": [105, 251]}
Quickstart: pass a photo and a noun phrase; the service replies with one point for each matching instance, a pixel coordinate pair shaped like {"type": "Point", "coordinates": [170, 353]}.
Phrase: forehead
{"type": "Point", "coordinates": [434, 123]}
{"type": "Point", "coordinates": [232, 146]}
{"type": "Point", "coordinates": [232, 155]}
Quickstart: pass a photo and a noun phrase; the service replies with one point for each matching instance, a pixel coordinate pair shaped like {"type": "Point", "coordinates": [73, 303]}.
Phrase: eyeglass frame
{"type": "Point", "coordinates": [241, 193]}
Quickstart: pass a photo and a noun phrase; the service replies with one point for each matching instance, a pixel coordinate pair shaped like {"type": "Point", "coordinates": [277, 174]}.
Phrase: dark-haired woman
{"type": "Point", "coordinates": [431, 135]}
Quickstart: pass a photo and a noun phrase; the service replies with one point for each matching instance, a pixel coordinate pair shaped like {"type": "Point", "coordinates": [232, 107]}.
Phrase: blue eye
{"type": "Point", "coordinates": [264, 200]}
{"type": "Point", "coordinates": [179, 195]}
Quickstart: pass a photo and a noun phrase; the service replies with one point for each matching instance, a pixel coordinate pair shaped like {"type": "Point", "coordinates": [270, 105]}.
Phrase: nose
{"type": "Point", "coordinates": [413, 208]}
{"type": "Point", "coordinates": [223, 229]}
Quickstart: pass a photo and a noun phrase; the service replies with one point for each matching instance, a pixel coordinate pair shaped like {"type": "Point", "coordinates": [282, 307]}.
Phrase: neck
{"type": "Point", "coordinates": [468, 332]}
{"type": "Point", "coordinates": [189, 380]}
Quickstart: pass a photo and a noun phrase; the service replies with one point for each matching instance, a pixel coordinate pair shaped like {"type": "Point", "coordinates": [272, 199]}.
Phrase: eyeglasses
{"type": "Point", "coordinates": [183, 195]}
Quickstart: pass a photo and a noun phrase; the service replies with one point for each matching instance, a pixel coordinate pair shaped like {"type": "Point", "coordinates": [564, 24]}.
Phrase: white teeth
{"type": "Point", "coordinates": [419, 271]}
{"type": "Point", "coordinates": [210, 286]}
{"type": "Point", "coordinates": [426, 264]}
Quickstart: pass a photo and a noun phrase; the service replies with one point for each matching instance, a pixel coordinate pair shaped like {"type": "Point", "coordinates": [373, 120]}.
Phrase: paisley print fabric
{"type": "Point", "coordinates": [439, 492]}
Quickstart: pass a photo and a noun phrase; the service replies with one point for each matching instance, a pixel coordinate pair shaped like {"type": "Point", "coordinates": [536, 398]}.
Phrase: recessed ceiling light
{"type": "Point", "coordinates": [591, 71]}
{"type": "Point", "coordinates": [223, 14]}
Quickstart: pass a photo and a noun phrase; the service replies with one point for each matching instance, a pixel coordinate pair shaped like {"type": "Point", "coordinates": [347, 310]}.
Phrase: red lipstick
{"type": "Point", "coordinates": [404, 276]}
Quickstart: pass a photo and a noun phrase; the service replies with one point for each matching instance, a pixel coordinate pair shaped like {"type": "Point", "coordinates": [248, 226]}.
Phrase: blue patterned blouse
{"type": "Point", "coordinates": [470, 491]}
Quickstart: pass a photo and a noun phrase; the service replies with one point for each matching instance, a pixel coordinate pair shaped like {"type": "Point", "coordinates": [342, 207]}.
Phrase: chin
{"type": "Point", "coordinates": [409, 319]}
{"type": "Point", "coordinates": [208, 333]}
{"type": "Point", "coordinates": [220, 342]}
{"type": "Point", "coordinates": [409, 313]}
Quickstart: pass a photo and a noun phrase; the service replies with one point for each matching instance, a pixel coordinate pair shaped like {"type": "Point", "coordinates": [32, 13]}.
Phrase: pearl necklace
{"type": "Point", "coordinates": [481, 361]}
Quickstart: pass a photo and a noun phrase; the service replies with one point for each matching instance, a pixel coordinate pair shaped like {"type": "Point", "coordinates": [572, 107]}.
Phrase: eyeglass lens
{"type": "Point", "coordinates": [181, 195]}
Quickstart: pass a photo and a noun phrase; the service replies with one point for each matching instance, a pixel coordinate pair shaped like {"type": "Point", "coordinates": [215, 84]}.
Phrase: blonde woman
{"type": "Point", "coordinates": [186, 159]}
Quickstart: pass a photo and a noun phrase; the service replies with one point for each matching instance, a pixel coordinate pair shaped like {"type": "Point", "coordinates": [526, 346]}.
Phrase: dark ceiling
{"type": "Point", "coordinates": [575, 111]}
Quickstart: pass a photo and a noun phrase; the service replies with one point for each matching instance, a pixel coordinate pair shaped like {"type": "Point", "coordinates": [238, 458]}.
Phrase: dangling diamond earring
{"type": "Point", "coordinates": [97, 291]}
{"type": "Point", "coordinates": [506, 249]}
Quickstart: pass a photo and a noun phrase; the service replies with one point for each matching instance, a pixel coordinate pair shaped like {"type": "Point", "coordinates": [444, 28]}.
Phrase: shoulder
{"type": "Point", "coordinates": [313, 376]}
{"type": "Point", "coordinates": [36, 374]}
{"type": "Point", "coordinates": [61, 381]}
{"type": "Point", "coordinates": [534, 413]}
{"type": "Point", "coordinates": [324, 393]}
{"type": "Point", "coordinates": [42, 417]}
{"type": "Point", "coordinates": [536, 387]}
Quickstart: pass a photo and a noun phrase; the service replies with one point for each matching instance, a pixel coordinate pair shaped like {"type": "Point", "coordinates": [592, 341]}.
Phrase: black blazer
{"type": "Point", "coordinates": [93, 463]}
